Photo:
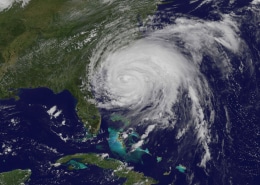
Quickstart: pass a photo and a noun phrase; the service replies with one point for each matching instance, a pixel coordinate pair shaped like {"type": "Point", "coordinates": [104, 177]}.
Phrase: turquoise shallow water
{"type": "Point", "coordinates": [76, 165]}
{"type": "Point", "coordinates": [123, 148]}
{"type": "Point", "coordinates": [115, 144]}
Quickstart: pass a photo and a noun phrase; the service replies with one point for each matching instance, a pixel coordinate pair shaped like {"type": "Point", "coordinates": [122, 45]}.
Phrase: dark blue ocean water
{"type": "Point", "coordinates": [35, 142]}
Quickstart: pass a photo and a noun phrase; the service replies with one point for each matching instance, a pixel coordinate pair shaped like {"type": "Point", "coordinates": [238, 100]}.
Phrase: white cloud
{"type": "Point", "coordinates": [6, 4]}
{"type": "Point", "coordinates": [54, 112]}
{"type": "Point", "coordinates": [256, 2]}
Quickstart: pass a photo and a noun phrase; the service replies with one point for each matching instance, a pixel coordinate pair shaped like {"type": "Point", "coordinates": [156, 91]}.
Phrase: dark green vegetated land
{"type": "Point", "coordinates": [48, 44]}
{"type": "Point", "coordinates": [15, 177]}
{"type": "Point", "coordinates": [118, 167]}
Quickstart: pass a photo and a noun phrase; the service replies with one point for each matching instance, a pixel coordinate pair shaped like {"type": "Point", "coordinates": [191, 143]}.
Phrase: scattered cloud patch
{"type": "Point", "coordinates": [54, 112]}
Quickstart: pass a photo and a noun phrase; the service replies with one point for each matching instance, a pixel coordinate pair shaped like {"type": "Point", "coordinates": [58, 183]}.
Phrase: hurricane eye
{"type": "Point", "coordinates": [125, 78]}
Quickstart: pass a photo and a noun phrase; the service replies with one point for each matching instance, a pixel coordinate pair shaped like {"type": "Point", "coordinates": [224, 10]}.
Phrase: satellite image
{"type": "Point", "coordinates": [129, 92]}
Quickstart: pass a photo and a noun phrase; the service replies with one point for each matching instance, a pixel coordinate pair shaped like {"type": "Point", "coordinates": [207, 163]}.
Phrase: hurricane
{"type": "Point", "coordinates": [147, 78]}
{"type": "Point", "coordinates": [144, 77]}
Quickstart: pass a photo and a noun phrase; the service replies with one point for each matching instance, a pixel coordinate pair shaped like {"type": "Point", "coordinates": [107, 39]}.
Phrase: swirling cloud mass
{"type": "Point", "coordinates": [143, 77]}
{"type": "Point", "coordinates": [146, 78]}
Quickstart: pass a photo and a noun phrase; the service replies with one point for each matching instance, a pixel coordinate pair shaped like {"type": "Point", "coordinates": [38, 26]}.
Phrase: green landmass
{"type": "Point", "coordinates": [48, 44]}
{"type": "Point", "coordinates": [15, 177]}
{"type": "Point", "coordinates": [117, 166]}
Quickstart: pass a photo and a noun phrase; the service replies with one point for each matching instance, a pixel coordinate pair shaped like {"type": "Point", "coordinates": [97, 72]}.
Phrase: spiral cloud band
{"type": "Point", "coordinates": [147, 77]}
{"type": "Point", "coordinates": [145, 74]}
